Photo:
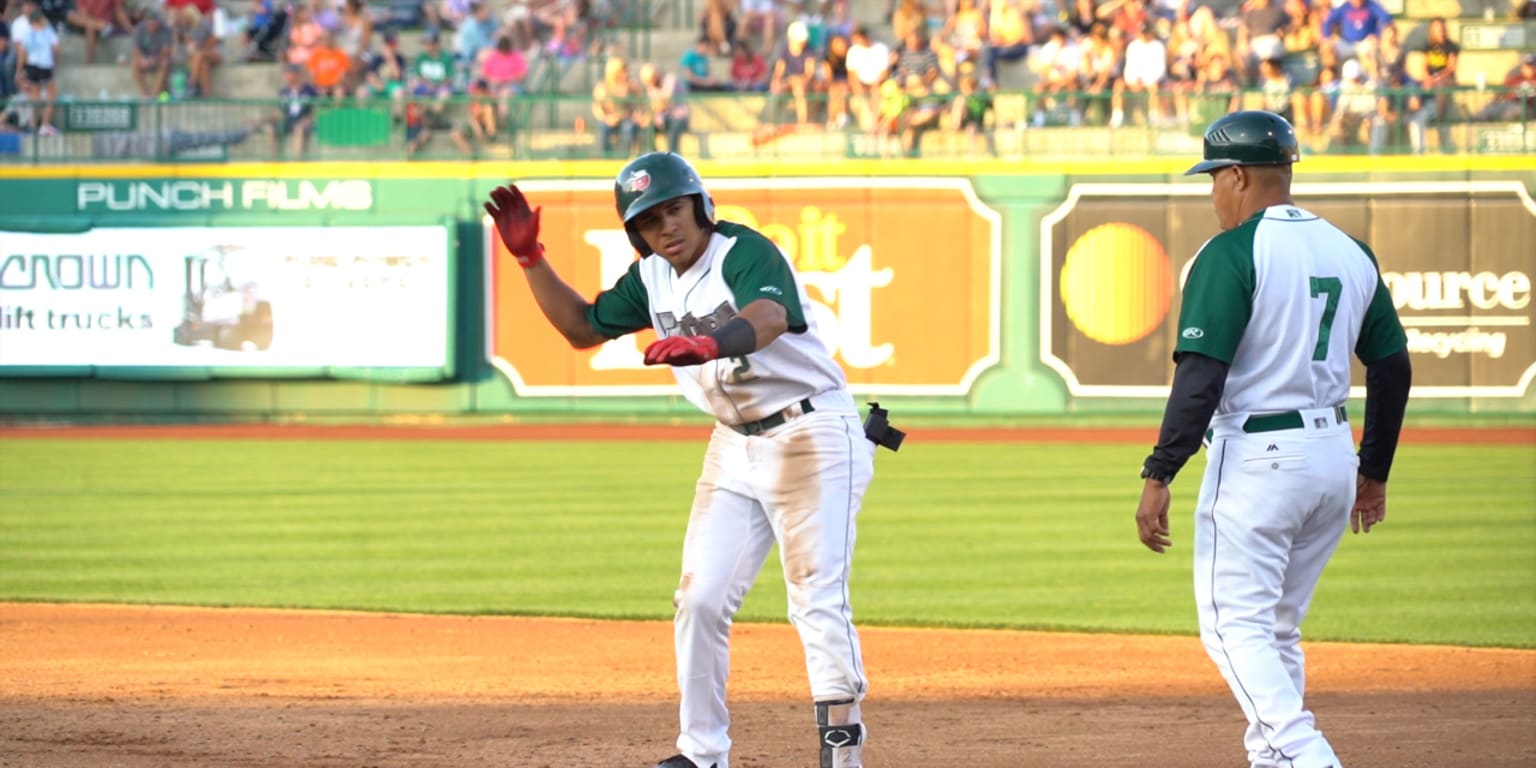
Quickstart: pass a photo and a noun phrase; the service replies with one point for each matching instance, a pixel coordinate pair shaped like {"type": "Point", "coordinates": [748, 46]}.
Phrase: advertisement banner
{"type": "Point", "coordinates": [903, 274]}
{"type": "Point", "coordinates": [1455, 255]}
{"type": "Point", "coordinates": [230, 297]}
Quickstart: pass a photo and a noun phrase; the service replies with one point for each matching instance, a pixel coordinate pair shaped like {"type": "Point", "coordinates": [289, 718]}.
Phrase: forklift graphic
{"type": "Point", "coordinates": [223, 305]}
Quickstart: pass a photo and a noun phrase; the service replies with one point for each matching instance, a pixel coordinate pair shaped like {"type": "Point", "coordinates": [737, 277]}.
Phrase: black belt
{"type": "Point", "coordinates": [1274, 422]}
{"type": "Point", "coordinates": [769, 422]}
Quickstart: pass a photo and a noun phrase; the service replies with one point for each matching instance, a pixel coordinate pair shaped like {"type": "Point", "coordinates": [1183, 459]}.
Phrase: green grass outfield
{"type": "Point", "coordinates": [998, 535]}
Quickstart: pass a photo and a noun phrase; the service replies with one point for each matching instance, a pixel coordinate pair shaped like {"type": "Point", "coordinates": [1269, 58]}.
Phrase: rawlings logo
{"type": "Point", "coordinates": [639, 181]}
{"type": "Point", "coordinates": [1192, 333]}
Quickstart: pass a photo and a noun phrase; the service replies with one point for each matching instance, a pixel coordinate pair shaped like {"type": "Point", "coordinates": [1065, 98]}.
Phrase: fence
{"type": "Point", "coordinates": [751, 125]}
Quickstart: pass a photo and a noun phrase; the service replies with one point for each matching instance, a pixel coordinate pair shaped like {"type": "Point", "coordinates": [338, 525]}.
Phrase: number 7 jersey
{"type": "Point", "coordinates": [738, 267]}
{"type": "Point", "coordinates": [1285, 298]}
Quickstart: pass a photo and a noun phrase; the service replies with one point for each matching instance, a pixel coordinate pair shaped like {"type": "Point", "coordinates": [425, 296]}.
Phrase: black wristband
{"type": "Point", "coordinates": [736, 338]}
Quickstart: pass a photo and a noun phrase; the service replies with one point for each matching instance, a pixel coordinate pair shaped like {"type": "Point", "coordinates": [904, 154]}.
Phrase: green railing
{"type": "Point", "coordinates": [561, 126]}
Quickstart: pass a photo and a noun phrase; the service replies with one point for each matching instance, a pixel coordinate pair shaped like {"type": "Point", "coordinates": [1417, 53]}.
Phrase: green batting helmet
{"type": "Point", "coordinates": [1250, 137]}
{"type": "Point", "coordinates": [652, 179]}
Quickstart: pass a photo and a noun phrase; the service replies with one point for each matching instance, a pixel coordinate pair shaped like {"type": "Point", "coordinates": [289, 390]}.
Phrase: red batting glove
{"type": "Point", "coordinates": [682, 350]}
{"type": "Point", "coordinates": [517, 224]}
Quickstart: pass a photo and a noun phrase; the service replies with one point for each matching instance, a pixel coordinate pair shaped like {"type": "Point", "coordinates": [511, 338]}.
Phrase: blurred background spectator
{"type": "Point", "coordinates": [202, 51]}
{"type": "Point", "coordinates": [696, 68]}
{"type": "Point", "coordinates": [105, 18]}
{"type": "Point", "coordinates": [616, 103]}
{"type": "Point", "coordinates": [972, 111]}
{"type": "Point", "coordinates": [869, 61]}
{"type": "Point", "coordinates": [37, 48]}
{"type": "Point", "coordinates": [1519, 101]}
{"type": "Point", "coordinates": [328, 67]}
{"type": "Point", "coordinates": [1146, 65]}
{"type": "Point", "coordinates": [264, 30]}
{"type": "Point", "coordinates": [1438, 107]}
{"type": "Point", "coordinates": [1260, 35]}
{"type": "Point", "coordinates": [833, 79]}
{"type": "Point", "coordinates": [304, 33]}
{"type": "Point", "coordinates": [1009, 35]}
{"type": "Point", "coordinates": [1354, 28]}
{"type": "Point", "coordinates": [794, 73]}
{"type": "Point", "coordinates": [354, 36]}
{"type": "Point", "coordinates": [749, 71]}
{"type": "Point", "coordinates": [153, 48]}
{"type": "Point", "coordinates": [759, 24]}
{"type": "Point", "coordinates": [717, 23]}
{"type": "Point", "coordinates": [667, 108]}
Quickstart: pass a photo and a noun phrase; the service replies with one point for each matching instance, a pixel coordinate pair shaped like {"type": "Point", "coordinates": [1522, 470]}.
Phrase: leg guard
{"type": "Point", "coordinates": [840, 733]}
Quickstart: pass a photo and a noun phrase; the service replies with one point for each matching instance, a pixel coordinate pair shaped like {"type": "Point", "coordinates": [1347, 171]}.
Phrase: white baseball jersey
{"type": "Point", "coordinates": [1285, 298]}
{"type": "Point", "coordinates": [739, 266]}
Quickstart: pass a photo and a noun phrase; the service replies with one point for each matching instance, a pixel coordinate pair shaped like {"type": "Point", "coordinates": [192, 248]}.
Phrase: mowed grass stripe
{"type": "Point", "coordinates": [997, 535]}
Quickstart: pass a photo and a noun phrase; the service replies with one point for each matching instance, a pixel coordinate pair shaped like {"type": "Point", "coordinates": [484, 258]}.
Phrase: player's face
{"type": "Point", "coordinates": [673, 232]}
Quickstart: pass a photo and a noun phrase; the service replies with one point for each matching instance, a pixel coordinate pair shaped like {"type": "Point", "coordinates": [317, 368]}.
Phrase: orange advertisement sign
{"type": "Point", "coordinates": [903, 275]}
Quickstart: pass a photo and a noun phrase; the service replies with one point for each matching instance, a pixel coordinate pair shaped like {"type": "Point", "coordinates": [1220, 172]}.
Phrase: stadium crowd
{"type": "Point", "coordinates": [1342, 73]}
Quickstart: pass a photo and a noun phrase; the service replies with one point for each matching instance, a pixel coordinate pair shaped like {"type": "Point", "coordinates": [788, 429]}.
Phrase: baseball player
{"type": "Point", "coordinates": [788, 461]}
{"type": "Point", "coordinates": [1272, 310]}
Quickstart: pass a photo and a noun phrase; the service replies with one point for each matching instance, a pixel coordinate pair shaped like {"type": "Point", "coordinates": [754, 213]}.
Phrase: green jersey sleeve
{"type": "Point", "coordinates": [1381, 335]}
{"type": "Point", "coordinates": [1218, 296]}
{"type": "Point", "coordinates": [624, 308]}
{"type": "Point", "coordinates": [754, 269]}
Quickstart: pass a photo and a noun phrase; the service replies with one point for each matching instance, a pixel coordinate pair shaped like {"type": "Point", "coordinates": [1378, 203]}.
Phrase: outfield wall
{"type": "Point", "coordinates": [965, 289]}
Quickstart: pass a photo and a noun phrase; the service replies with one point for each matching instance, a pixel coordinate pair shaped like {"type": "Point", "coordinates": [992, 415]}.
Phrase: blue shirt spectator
{"type": "Point", "coordinates": [1356, 20]}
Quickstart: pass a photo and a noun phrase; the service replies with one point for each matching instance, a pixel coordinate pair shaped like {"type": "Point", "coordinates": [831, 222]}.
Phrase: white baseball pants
{"type": "Point", "coordinates": [800, 485]}
{"type": "Point", "coordinates": [1273, 507]}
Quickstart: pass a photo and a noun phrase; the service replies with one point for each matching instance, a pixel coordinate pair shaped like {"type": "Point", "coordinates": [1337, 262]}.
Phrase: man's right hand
{"type": "Point", "coordinates": [517, 224]}
{"type": "Point", "coordinates": [1370, 504]}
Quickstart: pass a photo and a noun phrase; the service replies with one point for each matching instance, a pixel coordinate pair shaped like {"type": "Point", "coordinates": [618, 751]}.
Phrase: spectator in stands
{"type": "Point", "coordinates": [504, 70]}
{"type": "Point", "coordinates": [1277, 90]}
{"type": "Point", "coordinates": [760, 18]}
{"type": "Point", "coordinates": [203, 50]}
{"type": "Point", "coordinates": [925, 109]}
{"type": "Point", "coordinates": [1395, 102]}
{"type": "Point", "coordinates": [869, 62]}
{"type": "Point", "coordinates": [887, 127]}
{"type": "Point", "coordinates": [1123, 17]}
{"type": "Point", "coordinates": [1217, 92]}
{"type": "Point", "coordinates": [173, 7]}
{"type": "Point", "coordinates": [1101, 68]}
{"type": "Point", "coordinates": [476, 33]}
{"type": "Point", "coordinates": [749, 72]}
{"type": "Point", "coordinates": [1260, 35]}
{"type": "Point", "coordinates": [1208, 34]}
{"type": "Point", "coordinates": [296, 119]}
{"type": "Point", "coordinates": [387, 70]}
{"type": "Point", "coordinates": [304, 33]}
{"type": "Point", "coordinates": [695, 67]}
{"type": "Point", "coordinates": [434, 68]}
{"type": "Point", "coordinates": [328, 67]}
{"type": "Point", "coordinates": [108, 17]}
{"type": "Point", "coordinates": [915, 57]}
{"type": "Point", "coordinates": [452, 13]}
{"type": "Point", "coordinates": [839, 19]}
{"type": "Point", "coordinates": [965, 32]}
{"type": "Point", "coordinates": [264, 27]}
{"type": "Point", "coordinates": [354, 36]}
{"type": "Point", "coordinates": [63, 16]}
{"type": "Point", "coordinates": [37, 50]}
{"type": "Point", "coordinates": [1146, 66]}
{"type": "Point", "coordinates": [1183, 70]}
{"type": "Point", "coordinates": [1525, 9]}
{"type": "Point", "coordinates": [1009, 35]}
{"type": "Point", "coordinates": [1303, 40]}
{"type": "Point", "coordinates": [481, 119]}
{"type": "Point", "coordinates": [1354, 28]}
{"type": "Point", "coordinates": [517, 22]}
{"type": "Point", "coordinates": [1392, 57]}
{"type": "Point", "coordinates": [1518, 101]}
{"type": "Point", "coordinates": [616, 101]}
{"type": "Point", "coordinates": [1060, 67]}
{"type": "Point", "coordinates": [1357, 110]}
{"type": "Point", "coordinates": [833, 78]}
{"type": "Point", "coordinates": [718, 24]}
{"type": "Point", "coordinates": [7, 64]}
{"type": "Point", "coordinates": [1081, 17]}
{"type": "Point", "coordinates": [971, 111]}
{"type": "Point", "coordinates": [794, 72]}
{"type": "Point", "coordinates": [153, 47]}
{"type": "Point", "coordinates": [666, 110]}
{"type": "Point", "coordinates": [1441, 56]}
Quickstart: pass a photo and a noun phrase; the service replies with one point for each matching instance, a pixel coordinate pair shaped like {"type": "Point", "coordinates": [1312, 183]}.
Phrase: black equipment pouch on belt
{"type": "Point", "coordinates": [879, 430]}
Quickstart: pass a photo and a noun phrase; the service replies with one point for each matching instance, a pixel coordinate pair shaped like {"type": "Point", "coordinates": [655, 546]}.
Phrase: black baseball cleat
{"type": "Point", "coordinates": [678, 761]}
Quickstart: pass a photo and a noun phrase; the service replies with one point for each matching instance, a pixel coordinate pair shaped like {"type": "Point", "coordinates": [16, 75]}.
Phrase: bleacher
{"type": "Point", "coordinates": [549, 122]}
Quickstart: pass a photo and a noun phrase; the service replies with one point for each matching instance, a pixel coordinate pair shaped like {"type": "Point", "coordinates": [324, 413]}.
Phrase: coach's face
{"type": "Point", "coordinates": [672, 230]}
{"type": "Point", "coordinates": [1227, 186]}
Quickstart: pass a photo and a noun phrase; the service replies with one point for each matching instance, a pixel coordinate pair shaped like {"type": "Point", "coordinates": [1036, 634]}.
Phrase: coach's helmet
{"type": "Point", "coordinates": [652, 179]}
{"type": "Point", "coordinates": [1250, 137]}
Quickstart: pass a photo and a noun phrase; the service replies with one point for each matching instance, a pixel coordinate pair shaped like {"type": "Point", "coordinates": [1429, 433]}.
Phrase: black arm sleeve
{"type": "Point", "coordinates": [1387, 382]}
{"type": "Point", "coordinates": [1197, 385]}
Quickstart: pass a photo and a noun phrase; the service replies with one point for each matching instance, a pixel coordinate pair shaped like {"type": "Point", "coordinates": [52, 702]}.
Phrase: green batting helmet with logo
{"type": "Point", "coordinates": [1250, 137]}
{"type": "Point", "coordinates": [652, 179]}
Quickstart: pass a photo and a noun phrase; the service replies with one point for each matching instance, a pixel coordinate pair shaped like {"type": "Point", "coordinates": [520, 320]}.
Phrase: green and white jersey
{"type": "Point", "coordinates": [1285, 298]}
{"type": "Point", "coordinates": [738, 267]}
